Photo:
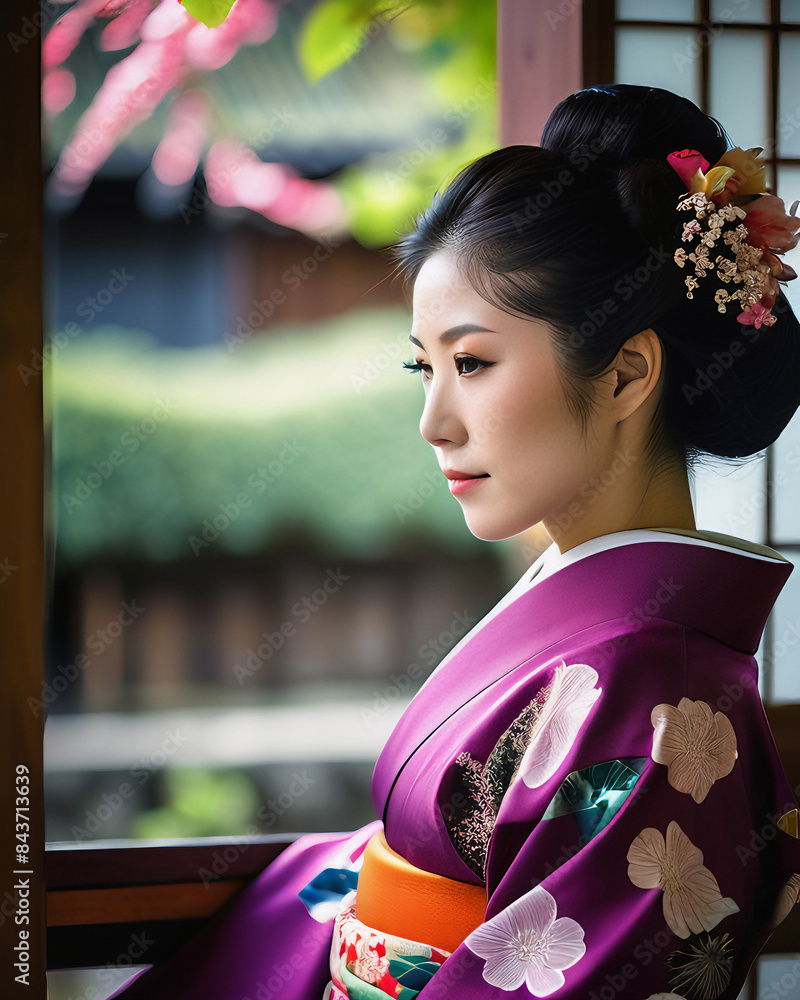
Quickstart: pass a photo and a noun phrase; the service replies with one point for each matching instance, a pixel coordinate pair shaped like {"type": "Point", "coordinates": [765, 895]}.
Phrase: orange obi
{"type": "Point", "coordinates": [396, 898]}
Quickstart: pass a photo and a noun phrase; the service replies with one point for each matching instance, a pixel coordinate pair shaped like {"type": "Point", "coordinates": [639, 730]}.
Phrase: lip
{"type": "Point", "coordinates": [460, 482]}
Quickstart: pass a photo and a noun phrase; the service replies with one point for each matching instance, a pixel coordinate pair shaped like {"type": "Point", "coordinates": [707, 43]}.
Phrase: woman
{"type": "Point", "coordinates": [568, 805]}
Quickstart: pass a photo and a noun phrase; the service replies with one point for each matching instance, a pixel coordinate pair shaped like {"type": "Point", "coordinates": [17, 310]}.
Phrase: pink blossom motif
{"type": "Point", "coordinates": [697, 746]}
{"type": "Point", "coordinates": [238, 177]}
{"type": "Point", "coordinates": [527, 943]}
{"type": "Point", "coordinates": [692, 900]}
{"type": "Point", "coordinates": [177, 156]}
{"type": "Point", "coordinates": [773, 231]}
{"type": "Point", "coordinates": [770, 226]}
{"type": "Point", "coordinates": [757, 315]}
{"type": "Point", "coordinates": [123, 30]}
{"type": "Point", "coordinates": [129, 93]}
{"type": "Point", "coordinates": [173, 51]}
{"type": "Point", "coordinates": [58, 90]}
{"type": "Point", "coordinates": [686, 163]}
{"type": "Point", "coordinates": [65, 34]}
{"type": "Point", "coordinates": [572, 695]}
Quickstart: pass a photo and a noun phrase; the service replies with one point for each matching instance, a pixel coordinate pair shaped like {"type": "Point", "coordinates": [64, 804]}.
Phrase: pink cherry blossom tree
{"type": "Point", "coordinates": [172, 53]}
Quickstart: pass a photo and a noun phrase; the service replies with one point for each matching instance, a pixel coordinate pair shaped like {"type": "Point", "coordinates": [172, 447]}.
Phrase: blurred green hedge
{"type": "Point", "coordinates": [305, 437]}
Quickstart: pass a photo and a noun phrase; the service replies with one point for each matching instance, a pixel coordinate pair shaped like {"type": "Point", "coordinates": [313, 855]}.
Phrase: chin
{"type": "Point", "coordinates": [489, 531]}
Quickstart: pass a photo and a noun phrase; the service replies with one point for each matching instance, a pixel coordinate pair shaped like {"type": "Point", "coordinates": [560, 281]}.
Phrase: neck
{"type": "Point", "coordinates": [641, 498]}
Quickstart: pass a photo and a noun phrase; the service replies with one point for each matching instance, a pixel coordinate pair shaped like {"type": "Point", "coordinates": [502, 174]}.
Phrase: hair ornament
{"type": "Point", "coordinates": [737, 231]}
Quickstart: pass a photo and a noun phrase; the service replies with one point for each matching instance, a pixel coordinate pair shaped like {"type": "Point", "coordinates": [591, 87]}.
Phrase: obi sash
{"type": "Point", "coordinates": [398, 927]}
{"type": "Point", "coordinates": [395, 897]}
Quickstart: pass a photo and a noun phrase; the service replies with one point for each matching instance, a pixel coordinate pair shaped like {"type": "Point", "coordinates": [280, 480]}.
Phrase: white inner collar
{"type": "Point", "coordinates": [552, 559]}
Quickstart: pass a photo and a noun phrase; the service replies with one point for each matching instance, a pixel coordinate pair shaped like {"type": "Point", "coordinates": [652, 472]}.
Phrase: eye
{"type": "Point", "coordinates": [471, 364]}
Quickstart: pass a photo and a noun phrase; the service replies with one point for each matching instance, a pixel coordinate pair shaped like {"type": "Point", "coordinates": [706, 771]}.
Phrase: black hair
{"type": "Point", "coordinates": [581, 231]}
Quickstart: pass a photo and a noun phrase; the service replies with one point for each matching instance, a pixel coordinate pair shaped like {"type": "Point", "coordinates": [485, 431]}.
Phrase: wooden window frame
{"type": "Point", "coordinates": [22, 548]}
{"type": "Point", "coordinates": [599, 26]}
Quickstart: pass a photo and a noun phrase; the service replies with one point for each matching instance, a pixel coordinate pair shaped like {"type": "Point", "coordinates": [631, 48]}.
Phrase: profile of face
{"type": "Point", "coordinates": [495, 411]}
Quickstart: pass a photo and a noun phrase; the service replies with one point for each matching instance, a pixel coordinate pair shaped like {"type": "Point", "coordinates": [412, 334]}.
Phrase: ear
{"type": "Point", "coordinates": [637, 368]}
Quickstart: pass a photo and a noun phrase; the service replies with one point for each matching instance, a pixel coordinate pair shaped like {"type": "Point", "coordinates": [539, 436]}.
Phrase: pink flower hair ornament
{"type": "Point", "coordinates": [736, 215]}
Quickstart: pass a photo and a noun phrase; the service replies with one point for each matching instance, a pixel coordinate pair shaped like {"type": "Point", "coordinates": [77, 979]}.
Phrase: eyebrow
{"type": "Point", "coordinates": [454, 333]}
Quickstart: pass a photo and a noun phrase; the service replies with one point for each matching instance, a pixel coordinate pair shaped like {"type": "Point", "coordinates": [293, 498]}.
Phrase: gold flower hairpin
{"type": "Point", "coordinates": [738, 230]}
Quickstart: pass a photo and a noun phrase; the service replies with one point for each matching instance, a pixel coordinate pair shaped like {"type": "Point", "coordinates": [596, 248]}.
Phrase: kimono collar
{"type": "Point", "coordinates": [552, 560]}
{"type": "Point", "coordinates": [722, 586]}
{"type": "Point", "coordinates": [714, 584]}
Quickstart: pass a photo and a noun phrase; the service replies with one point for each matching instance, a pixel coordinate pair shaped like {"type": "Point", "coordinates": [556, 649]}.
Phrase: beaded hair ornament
{"type": "Point", "coordinates": [737, 231]}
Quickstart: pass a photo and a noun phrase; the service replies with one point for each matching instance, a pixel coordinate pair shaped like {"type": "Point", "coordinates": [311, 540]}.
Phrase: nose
{"type": "Point", "coordinates": [440, 423]}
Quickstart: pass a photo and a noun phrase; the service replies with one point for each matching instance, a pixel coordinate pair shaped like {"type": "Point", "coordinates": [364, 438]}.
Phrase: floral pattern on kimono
{"type": "Point", "coordinates": [533, 746]}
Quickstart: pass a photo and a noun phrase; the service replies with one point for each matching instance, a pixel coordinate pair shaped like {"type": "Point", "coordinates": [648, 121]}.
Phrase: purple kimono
{"type": "Point", "coordinates": [596, 753]}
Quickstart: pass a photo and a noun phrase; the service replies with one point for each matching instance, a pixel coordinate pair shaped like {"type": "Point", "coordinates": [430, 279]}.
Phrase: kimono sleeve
{"type": "Point", "coordinates": [643, 849]}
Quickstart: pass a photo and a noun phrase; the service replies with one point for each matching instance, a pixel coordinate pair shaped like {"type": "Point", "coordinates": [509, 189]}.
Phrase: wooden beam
{"type": "Point", "coordinates": [540, 62]}
{"type": "Point", "coordinates": [21, 533]}
{"type": "Point", "coordinates": [598, 43]}
{"type": "Point", "coordinates": [105, 899]}
{"type": "Point", "coordinates": [179, 901]}
{"type": "Point", "coordinates": [113, 864]}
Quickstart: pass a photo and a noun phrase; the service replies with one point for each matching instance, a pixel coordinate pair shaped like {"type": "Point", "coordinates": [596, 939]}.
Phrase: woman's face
{"type": "Point", "coordinates": [495, 408]}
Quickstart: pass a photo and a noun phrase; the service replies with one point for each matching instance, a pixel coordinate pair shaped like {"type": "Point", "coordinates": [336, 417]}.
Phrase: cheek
{"type": "Point", "coordinates": [540, 422]}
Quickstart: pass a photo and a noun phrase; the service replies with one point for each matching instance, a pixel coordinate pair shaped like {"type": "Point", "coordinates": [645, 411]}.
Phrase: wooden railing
{"type": "Point", "coordinates": [102, 897]}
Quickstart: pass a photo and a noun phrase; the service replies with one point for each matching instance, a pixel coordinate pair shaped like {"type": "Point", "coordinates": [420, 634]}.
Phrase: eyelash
{"type": "Point", "coordinates": [420, 366]}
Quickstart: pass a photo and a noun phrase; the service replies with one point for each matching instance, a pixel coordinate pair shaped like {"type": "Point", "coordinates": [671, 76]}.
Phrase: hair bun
{"type": "Point", "coordinates": [648, 191]}
{"type": "Point", "coordinates": [732, 407]}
